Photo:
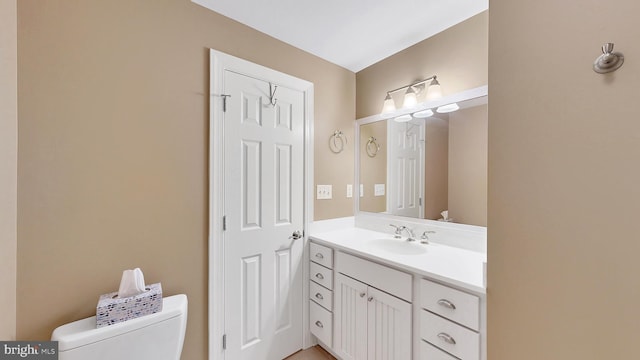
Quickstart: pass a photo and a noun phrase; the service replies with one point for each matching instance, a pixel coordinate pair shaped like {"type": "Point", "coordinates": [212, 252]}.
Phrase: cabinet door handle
{"type": "Point", "coordinates": [447, 338]}
{"type": "Point", "coordinates": [363, 294]}
{"type": "Point", "coordinates": [320, 256]}
{"type": "Point", "coordinates": [446, 303]}
{"type": "Point", "coordinates": [319, 296]}
{"type": "Point", "coordinates": [370, 299]}
{"type": "Point", "coordinates": [320, 276]}
{"type": "Point", "coordinates": [319, 324]}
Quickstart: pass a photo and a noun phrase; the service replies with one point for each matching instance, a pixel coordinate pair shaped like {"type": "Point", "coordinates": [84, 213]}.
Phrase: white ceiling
{"type": "Point", "coordinates": [351, 33]}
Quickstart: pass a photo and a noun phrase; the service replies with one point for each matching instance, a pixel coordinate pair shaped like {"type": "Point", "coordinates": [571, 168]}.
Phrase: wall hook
{"type": "Point", "coordinates": [609, 61]}
{"type": "Point", "coordinates": [272, 93]}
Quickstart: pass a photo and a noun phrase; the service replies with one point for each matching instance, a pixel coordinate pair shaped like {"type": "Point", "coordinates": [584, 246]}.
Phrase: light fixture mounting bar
{"type": "Point", "coordinates": [414, 84]}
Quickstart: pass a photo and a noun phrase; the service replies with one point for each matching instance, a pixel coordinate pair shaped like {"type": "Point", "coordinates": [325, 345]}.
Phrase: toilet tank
{"type": "Point", "coordinates": [153, 337]}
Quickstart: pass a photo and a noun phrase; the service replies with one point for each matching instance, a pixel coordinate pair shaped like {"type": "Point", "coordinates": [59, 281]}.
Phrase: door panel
{"type": "Point", "coordinates": [263, 185]}
{"type": "Point", "coordinates": [406, 171]}
{"type": "Point", "coordinates": [350, 318]}
{"type": "Point", "coordinates": [388, 327]}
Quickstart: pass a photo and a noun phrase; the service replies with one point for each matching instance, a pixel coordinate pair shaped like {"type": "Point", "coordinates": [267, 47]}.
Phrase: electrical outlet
{"type": "Point", "coordinates": [323, 192]}
{"type": "Point", "coordinates": [378, 190]}
{"type": "Point", "coordinates": [349, 190]}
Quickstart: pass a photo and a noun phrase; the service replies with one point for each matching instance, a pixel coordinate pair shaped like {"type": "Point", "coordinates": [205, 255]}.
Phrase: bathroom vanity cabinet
{"type": "Point", "coordinates": [373, 309]}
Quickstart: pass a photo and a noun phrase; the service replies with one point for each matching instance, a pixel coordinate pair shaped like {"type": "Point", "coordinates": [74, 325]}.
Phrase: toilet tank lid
{"type": "Point", "coordinates": [83, 332]}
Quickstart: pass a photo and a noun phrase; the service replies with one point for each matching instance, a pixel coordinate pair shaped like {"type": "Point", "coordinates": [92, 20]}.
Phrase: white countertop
{"type": "Point", "coordinates": [458, 267]}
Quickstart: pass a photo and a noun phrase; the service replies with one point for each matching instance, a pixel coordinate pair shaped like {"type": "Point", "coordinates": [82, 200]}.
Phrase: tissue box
{"type": "Point", "coordinates": [112, 310]}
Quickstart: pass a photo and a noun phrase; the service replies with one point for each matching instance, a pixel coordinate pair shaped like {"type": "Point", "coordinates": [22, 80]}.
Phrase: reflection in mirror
{"type": "Point", "coordinates": [428, 167]}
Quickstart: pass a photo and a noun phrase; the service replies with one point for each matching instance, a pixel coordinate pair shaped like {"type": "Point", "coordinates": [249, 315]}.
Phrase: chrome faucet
{"type": "Point", "coordinates": [400, 229]}
{"type": "Point", "coordinates": [412, 235]}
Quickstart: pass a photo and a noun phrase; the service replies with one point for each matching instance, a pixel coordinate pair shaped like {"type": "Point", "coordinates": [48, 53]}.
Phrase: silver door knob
{"type": "Point", "coordinates": [296, 235]}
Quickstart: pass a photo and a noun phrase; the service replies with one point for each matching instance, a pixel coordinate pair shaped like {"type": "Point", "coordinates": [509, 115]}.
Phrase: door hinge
{"type": "Point", "coordinates": [224, 223]}
{"type": "Point", "coordinates": [420, 201]}
{"type": "Point", "coordinates": [224, 342]}
{"type": "Point", "coordinates": [224, 102]}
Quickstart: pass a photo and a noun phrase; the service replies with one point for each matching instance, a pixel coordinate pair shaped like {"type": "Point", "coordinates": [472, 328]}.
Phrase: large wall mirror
{"type": "Point", "coordinates": [429, 166]}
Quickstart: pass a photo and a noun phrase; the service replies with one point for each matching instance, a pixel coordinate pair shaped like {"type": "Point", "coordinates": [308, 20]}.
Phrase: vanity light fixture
{"type": "Point", "coordinates": [447, 108]}
{"type": "Point", "coordinates": [411, 94]}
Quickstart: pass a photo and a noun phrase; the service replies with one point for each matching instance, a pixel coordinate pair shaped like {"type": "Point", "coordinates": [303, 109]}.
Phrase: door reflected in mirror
{"type": "Point", "coordinates": [426, 166]}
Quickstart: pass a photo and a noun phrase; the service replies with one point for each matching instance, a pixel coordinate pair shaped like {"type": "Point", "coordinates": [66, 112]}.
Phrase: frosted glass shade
{"type": "Point", "coordinates": [389, 106]}
{"type": "Point", "coordinates": [434, 92]}
{"type": "Point", "coordinates": [410, 98]}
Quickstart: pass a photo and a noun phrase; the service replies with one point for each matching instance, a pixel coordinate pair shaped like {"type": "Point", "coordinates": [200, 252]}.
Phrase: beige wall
{"type": "Point", "coordinates": [8, 167]}
{"type": "Point", "coordinates": [458, 56]}
{"type": "Point", "coordinates": [468, 165]}
{"type": "Point", "coordinates": [436, 174]}
{"type": "Point", "coordinates": [113, 144]}
{"type": "Point", "coordinates": [564, 193]}
{"type": "Point", "coordinates": [373, 170]}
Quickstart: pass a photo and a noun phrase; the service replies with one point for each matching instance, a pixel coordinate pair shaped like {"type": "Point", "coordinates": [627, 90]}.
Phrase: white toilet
{"type": "Point", "coordinates": [153, 337]}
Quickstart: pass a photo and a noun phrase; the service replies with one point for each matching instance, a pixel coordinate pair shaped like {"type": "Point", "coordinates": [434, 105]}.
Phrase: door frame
{"type": "Point", "coordinates": [218, 63]}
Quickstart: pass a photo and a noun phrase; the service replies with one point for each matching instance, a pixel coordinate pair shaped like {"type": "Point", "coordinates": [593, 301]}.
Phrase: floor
{"type": "Point", "coordinates": [313, 353]}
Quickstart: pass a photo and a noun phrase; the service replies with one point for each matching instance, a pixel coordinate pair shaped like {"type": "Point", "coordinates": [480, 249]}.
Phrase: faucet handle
{"type": "Point", "coordinates": [425, 236]}
{"type": "Point", "coordinates": [398, 229]}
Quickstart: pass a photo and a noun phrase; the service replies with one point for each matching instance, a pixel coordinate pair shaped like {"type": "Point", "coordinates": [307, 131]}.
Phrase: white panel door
{"type": "Point", "coordinates": [350, 318]}
{"type": "Point", "coordinates": [263, 185]}
{"type": "Point", "coordinates": [388, 327]}
{"type": "Point", "coordinates": [405, 168]}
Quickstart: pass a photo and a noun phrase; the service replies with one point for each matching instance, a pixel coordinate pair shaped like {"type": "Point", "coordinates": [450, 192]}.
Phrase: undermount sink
{"type": "Point", "coordinates": [399, 246]}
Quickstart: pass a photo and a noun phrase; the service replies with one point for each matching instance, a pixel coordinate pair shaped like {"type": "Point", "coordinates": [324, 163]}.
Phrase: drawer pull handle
{"type": "Point", "coordinates": [319, 324]}
{"type": "Point", "coordinates": [319, 296]}
{"type": "Point", "coordinates": [319, 256]}
{"type": "Point", "coordinates": [370, 299]}
{"type": "Point", "coordinates": [320, 276]}
{"type": "Point", "coordinates": [363, 294]}
{"type": "Point", "coordinates": [446, 303]}
{"type": "Point", "coordinates": [447, 338]}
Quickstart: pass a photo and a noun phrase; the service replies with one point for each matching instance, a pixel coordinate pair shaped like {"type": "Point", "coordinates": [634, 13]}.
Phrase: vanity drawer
{"type": "Point", "coordinates": [379, 276]}
{"type": "Point", "coordinates": [450, 337]}
{"type": "Point", "coordinates": [321, 323]}
{"type": "Point", "coordinates": [430, 352]}
{"type": "Point", "coordinates": [450, 303]}
{"type": "Point", "coordinates": [321, 255]}
{"type": "Point", "coordinates": [321, 275]}
{"type": "Point", "coordinates": [320, 295]}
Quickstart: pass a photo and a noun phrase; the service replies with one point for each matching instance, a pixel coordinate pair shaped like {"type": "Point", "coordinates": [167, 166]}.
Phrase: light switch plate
{"type": "Point", "coordinates": [378, 190]}
{"type": "Point", "coordinates": [349, 190]}
{"type": "Point", "coordinates": [361, 190]}
{"type": "Point", "coordinates": [323, 192]}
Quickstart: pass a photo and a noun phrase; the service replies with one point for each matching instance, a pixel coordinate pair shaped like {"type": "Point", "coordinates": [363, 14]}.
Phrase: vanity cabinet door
{"type": "Point", "coordinates": [388, 326]}
{"type": "Point", "coordinates": [350, 318]}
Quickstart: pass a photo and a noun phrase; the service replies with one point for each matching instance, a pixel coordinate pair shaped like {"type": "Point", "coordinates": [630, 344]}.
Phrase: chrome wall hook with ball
{"type": "Point", "coordinates": [609, 61]}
